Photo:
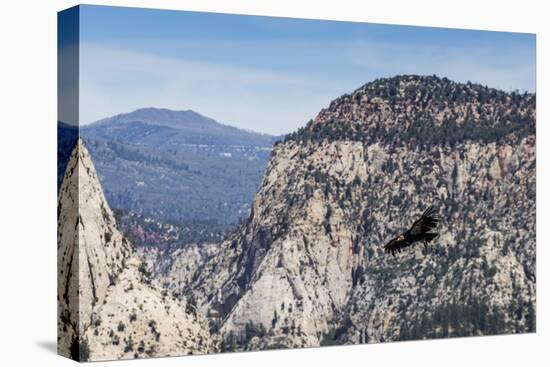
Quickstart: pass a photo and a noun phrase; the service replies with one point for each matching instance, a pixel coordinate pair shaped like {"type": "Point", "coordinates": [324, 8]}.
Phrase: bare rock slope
{"type": "Point", "coordinates": [108, 307]}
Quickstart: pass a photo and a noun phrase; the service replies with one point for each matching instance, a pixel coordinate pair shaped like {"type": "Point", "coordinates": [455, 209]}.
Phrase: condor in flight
{"type": "Point", "coordinates": [420, 231]}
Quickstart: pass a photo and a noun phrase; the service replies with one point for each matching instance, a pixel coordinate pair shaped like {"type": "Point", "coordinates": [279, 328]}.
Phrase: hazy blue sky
{"type": "Point", "coordinates": [271, 74]}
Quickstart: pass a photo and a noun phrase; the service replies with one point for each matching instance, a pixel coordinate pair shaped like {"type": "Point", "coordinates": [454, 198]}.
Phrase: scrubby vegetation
{"type": "Point", "coordinates": [423, 110]}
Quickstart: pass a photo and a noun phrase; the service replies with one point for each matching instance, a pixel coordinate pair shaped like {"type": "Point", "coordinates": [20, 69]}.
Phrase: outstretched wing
{"type": "Point", "coordinates": [425, 223]}
{"type": "Point", "coordinates": [396, 245]}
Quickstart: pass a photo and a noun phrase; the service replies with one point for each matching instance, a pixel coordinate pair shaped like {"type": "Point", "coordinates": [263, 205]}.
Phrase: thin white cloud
{"type": "Point", "coordinates": [115, 81]}
{"type": "Point", "coordinates": [492, 66]}
{"type": "Point", "coordinates": [272, 101]}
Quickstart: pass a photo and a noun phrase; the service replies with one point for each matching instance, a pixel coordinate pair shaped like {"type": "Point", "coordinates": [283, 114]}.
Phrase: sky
{"type": "Point", "coordinates": [269, 74]}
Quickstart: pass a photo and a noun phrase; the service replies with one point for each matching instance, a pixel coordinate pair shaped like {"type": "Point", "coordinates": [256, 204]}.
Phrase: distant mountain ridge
{"type": "Point", "coordinates": [188, 127]}
{"type": "Point", "coordinates": [173, 166]}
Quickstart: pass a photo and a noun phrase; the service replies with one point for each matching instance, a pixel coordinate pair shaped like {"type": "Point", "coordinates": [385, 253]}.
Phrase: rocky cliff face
{"type": "Point", "coordinates": [175, 269]}
{"type": "Point", "coordinates": [307, 268]}
{"type": "Point", "coordinates": [107, 305]}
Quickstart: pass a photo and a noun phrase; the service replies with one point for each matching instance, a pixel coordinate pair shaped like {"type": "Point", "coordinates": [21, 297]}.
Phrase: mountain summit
{"type": "Point", "coordinates": [193, 127]}
{"type": "Point", "coordinates": [162, 117]}
{"type": "Point", "coordinates": [425, 110]}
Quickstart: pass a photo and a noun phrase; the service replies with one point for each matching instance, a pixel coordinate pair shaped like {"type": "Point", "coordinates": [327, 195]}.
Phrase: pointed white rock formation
{"type": "Point", "coordinates": [107, 307]}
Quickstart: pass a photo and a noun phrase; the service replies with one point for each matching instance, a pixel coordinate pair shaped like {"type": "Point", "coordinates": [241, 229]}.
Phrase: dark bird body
{"type": "Point", "coordinates": [419, 231]}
